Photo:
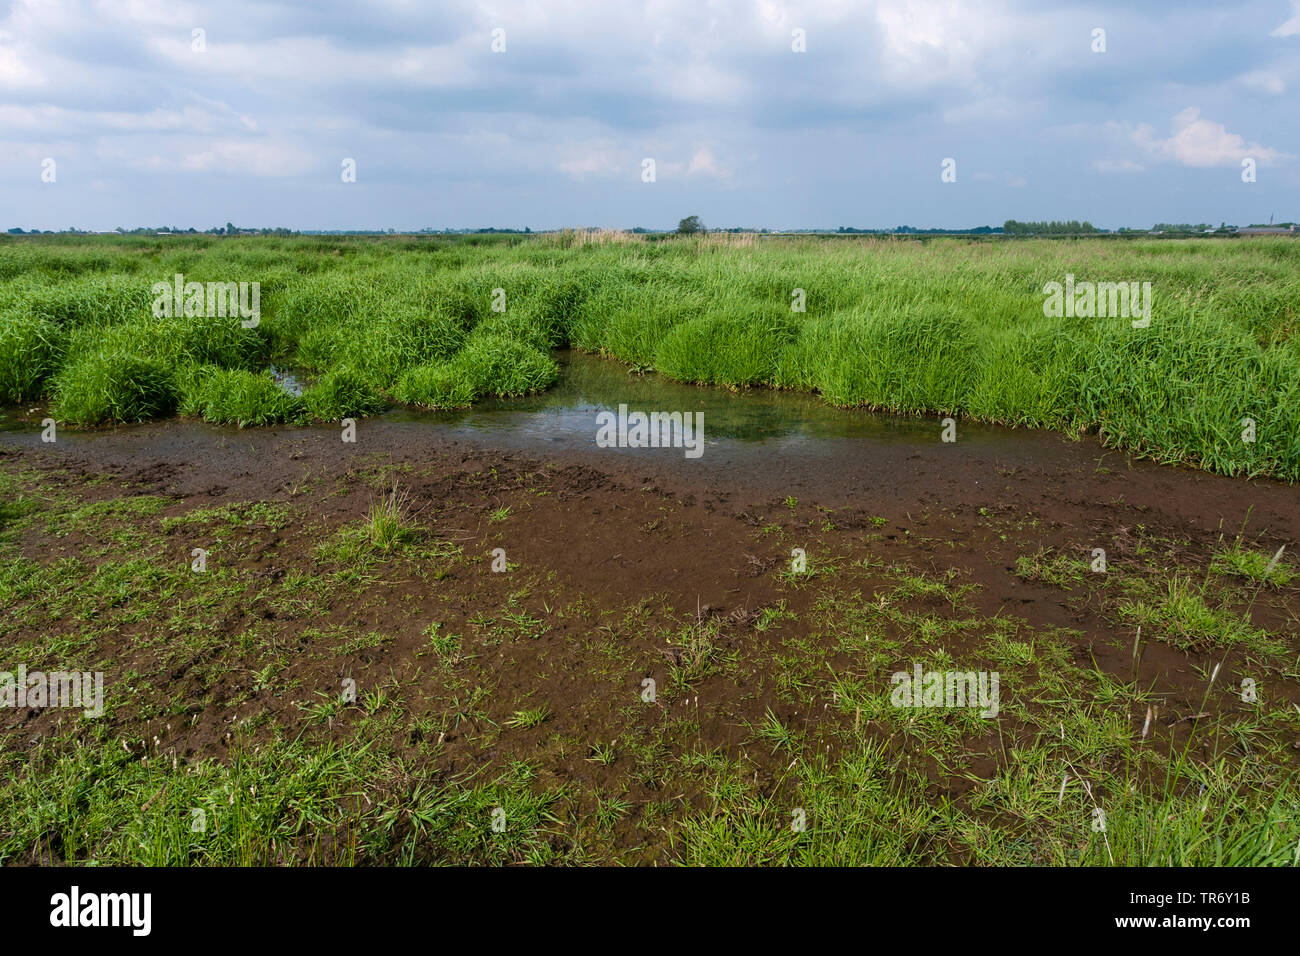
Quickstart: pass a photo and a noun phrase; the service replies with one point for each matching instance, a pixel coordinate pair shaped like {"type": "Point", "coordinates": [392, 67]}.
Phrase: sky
{"type": "Point", "coordinates": [544, 113]}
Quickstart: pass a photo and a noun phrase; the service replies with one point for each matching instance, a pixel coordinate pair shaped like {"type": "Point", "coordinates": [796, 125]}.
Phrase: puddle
{"type": "Point", "coordinates": [758, 420]}
{"type": "Point", "coordinates": [759, 444]}
{"type": "Point", "coordinates": [287, 380]}
{"type": "Point", "coordinates": [753, 428]}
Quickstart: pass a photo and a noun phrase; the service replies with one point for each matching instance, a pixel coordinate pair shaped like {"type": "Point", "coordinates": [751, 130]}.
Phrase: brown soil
{"type": "Point", "coordinates": [606, 531]}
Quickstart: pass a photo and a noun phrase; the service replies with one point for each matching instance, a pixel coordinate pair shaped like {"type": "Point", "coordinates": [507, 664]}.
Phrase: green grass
{"type": "Point", "coordinates": [30, 351]}
{"type": "Point", "coordinates": [106, 386]}
{"type": "Point", "coordinates": [1258, 567]}
{"type": "Point", "coordinates": [771, 742]}
{"type": "Point", "coordinates": [529, 717]}
{"type": "Point", "coordinates": [493, 364]}
{"type": "Point", "coordinates": [237, 397]}
{"type": "Point", "coordinates": [279, 803]}
{"type": "Point", "coordinates": [739, 351]}
{"type": "Point", "coordinates": [950, 326]}
{"type": "Point", "coordinates": [389, 523]}
{"type": "Point", "coordinates": [1191, 617]}
{"type": "Point", "coordinates": [1057, 569]}
{"type": "Point", "coordinates": [341, 393]}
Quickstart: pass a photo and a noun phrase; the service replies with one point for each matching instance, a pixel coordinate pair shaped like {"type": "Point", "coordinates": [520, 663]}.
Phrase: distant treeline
{"type": "Point", "coordinates": [914, 231]}
{"type": "Point", "coordinates": [1070, 227]}
{"type": "Point", "coordinates": [428, 231]}
{"type": "Point", "coordinates": [1011, 227]}
{"type": "Point", "coordinates": [1182, 227]}
{"type": "Point", "coordinates": [229, 229]}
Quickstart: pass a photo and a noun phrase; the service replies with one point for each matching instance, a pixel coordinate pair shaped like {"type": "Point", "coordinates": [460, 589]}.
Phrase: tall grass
{"type": "Point", "coordinates": [492, 364]}
{"type": "Point", "coordinates": [342, 392]}
{"type": "Point", "coordinates": [947, 326]}
{"type": "Point", "coordinates": [30, 351]}
{"type": "Point", "coordinates": [238, 397]}
{"type": "Point", "coordinates": [109, 385]}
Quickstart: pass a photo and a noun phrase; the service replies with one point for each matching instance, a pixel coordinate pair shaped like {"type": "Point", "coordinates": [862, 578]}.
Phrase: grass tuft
{"type": "Point", "coordinates": [237, 397]}
{"type": "Point", "coordinates": [114, 386]}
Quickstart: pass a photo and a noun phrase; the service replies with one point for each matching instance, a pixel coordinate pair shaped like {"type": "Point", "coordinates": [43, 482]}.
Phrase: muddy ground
{"type": "Point", "coordinates": [616, 560]}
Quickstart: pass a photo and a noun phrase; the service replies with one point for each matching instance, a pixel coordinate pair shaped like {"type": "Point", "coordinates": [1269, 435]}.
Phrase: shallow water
{"type": "Point", "coordinates": [746, 427]}
{"type": "Point", "coordinates": [287, 380]}
{"type": "Point", "coordinates": [759, 445]}
{"type": "Point", "coordinates": [759, 420]}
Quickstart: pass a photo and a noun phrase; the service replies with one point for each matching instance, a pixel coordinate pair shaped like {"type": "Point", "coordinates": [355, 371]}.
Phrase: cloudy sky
{"type": "Point", "coordinates": [542, 113]}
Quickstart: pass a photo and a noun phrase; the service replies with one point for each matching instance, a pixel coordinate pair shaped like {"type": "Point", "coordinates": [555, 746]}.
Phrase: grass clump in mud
{"type": "Point", "coordinates": [1059, 570]}
{"type": "Point", "coordinates": [389, 522]}
{"type": "Point", "coordinates": [1258, 567]}
{"type": "Point", "coordinates": [107, 386]}
{"type": "Point", "coordinates": [1190, 617]}
{"type": "Point", "coordinates": [493, 365]}
{"type": "Point", "coordinates": [239, 397]}
{"type": "Point", "coordinates": [342, 393]}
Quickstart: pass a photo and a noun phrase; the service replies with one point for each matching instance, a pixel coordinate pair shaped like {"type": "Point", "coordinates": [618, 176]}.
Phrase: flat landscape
{"type": "Point", "coordinates": [366, 585]}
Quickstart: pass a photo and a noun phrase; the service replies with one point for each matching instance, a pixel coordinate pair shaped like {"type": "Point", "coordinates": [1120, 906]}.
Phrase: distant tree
{"type": "Point", "coordinates": [1053, 228]}
{"type": "Point", "coordinates": [690, 226]}
{"type": "Point", "coordinates": [1180, 227]}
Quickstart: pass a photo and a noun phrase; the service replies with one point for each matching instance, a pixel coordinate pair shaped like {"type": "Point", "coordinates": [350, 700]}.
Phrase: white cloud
{"type": "Point", "coordinates": [1203, 143]}
{"type": "Point", "coordinates": [1291, 27]}
{"type": "Point", "coordinates": [702, 165]}
{"type": "Point", "coordinates": [597, 161]}
{"type": "Point", "coordinates": [604, 159]}
{"type": "Point", "coordinates": [248, 157]}
{"type": "Point", "coordinates": [15, 73]}
{"type": "Point", "coordinates": [928, 44]}
{"type": "Point", "coordinates": [317, 61]}
{"type": "Point", "coordinates": [588, 88]}
{"type": "Point", "coordinates": [1264, 81]}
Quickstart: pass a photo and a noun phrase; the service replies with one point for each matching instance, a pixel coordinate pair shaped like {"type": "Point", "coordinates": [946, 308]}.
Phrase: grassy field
{"type": "Point", "coordinates": [949, 326]}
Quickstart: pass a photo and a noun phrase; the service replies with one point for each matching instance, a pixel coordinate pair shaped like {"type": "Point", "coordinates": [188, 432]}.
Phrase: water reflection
{"type": "Point", "coordinates": [589, 384]}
